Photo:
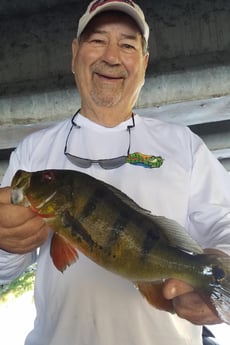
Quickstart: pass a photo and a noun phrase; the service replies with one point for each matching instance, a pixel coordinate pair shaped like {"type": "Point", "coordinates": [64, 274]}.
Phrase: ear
{"type": "Point", "coordinates": [75, 46]}
{"type": "Point", "coordinates": [146, 57]}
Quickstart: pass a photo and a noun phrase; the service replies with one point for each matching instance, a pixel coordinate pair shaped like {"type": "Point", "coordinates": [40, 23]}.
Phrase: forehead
{"type": "Point", "coordinates": [110, 19]}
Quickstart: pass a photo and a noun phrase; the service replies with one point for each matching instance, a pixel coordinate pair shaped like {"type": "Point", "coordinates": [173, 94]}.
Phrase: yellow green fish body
{"type": "Point", "coordinates": [113, 231]}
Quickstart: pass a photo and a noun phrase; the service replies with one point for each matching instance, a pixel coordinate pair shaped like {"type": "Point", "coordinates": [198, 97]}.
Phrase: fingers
{"type": "Point", "coordinates": [25, 237]}
{"type": "Point", "coordinates": [13, 215]}
{"type": "Point", "coordinates": [188, 304]}
{"type": "Point", "coordinates": [21, 231]}
{"type": "Point", "coordinates": [173, 288]}
{"type": "Point", "coordinates": [5, 195]}
{"type": "Point", "coordinates": [193, 308]}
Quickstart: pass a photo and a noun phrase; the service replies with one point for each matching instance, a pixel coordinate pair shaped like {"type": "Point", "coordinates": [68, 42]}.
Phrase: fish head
{"type": "Point", "coordinates": [45, 192]}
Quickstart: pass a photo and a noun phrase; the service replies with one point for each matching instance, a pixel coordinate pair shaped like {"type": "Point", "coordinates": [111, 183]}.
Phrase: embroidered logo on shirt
{"type": "Point", "coordinates": [146, 161]}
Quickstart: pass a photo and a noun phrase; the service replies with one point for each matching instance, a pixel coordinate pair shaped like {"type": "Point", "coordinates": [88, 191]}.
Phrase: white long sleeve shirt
{"type": "Point", "coordinates": [87, 305]}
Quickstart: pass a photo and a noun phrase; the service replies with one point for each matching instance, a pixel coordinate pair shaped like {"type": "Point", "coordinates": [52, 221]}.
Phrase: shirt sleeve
{"type": "Point", "coordinates": [209, 205]}
{"type": "Point", "coordinates": [13, 265]}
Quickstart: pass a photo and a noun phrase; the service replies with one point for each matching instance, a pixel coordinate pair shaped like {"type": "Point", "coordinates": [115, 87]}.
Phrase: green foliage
{"type": "Point", "coordinates": [18, 287]}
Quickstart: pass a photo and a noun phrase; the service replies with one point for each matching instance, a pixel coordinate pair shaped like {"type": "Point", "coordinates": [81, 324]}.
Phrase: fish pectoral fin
{"type": "Point", "coordinates": [62, 252]}
{"type": "Point", "coordinates": [152, 291]}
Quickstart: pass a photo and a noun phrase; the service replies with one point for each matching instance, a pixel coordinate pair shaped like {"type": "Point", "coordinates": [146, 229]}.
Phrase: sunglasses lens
{"type": "Point", "coordinates": [85, 163]}
{"type": "Point", "coordinates": [80, 162]}
{"type": "Point", "coordinates": [112, 163]}
{"type": "Point", "coordinates": [104, 163]}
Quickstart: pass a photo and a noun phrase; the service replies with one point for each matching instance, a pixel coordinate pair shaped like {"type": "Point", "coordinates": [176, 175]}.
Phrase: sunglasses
{"type": "Point", "coordinates": [111, 163]}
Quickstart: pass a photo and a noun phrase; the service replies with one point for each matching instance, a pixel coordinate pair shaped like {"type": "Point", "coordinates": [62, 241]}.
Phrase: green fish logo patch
{"type": "Point", "coordinates": [146, 161]}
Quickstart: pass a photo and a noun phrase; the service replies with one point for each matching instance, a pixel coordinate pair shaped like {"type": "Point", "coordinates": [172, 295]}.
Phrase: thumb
{"type": "Point", "coordinates": [5, 195]}
{"type": "Point", "coordinates": [173, 288]}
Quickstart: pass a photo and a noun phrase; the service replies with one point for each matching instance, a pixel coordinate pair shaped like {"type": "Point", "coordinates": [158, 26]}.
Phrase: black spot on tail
{"type": "Point", "coordinates": [218, 273]}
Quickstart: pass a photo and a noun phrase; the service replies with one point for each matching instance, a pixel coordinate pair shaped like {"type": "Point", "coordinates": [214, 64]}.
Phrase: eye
{"type": "Point", "coordinates": [48, 176]}
{"type": "Point", "coordinates": [96, 39]}
{"type": "Point", "coordinates": [128, 46]}
{"type": "Point", "coordinates": [97, 42]}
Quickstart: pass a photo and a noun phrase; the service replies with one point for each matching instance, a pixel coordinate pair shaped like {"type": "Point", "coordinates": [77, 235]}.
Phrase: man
{"type": "Point", "coordinates": [88, 305]}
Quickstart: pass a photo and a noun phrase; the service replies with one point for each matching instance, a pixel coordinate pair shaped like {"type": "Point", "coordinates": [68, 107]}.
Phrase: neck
{"type": "Point", "coordinates": [107, 117]}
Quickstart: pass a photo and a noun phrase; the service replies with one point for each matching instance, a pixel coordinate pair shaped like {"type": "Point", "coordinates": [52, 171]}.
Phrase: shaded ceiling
{"type": "Point", "coordinates": [188, 78]}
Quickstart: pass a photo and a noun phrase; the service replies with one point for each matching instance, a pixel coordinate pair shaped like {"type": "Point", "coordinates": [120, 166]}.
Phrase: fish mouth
{"type": "Point", "coordinates": [37, 208]}
{"type": "Point", "coordinates": [18, 198]}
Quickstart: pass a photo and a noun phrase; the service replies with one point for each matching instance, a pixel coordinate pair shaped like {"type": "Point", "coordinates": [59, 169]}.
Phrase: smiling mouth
{"type": "Point", "coordinates": [109, 77]}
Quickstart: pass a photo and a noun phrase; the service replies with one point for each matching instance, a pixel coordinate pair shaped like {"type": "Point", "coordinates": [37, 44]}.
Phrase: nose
{"type": "Point", "coordinates": [112, 54]}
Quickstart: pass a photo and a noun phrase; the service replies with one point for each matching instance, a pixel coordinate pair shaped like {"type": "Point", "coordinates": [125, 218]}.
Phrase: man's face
{"type": "Point", "coordinates": [109, 62]}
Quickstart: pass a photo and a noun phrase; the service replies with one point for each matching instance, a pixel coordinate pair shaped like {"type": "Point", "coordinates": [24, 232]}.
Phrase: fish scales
{"type": "Point", "coordinates": [114, 232]}
{"type": "Point", "coordinates": [118, 220]}
{"type": "Point", "coordinates": [140, 241]}
{"type": "Point", "coordinates": [120, 224]}
{"type": "Point", "coordinates": [91, 216]}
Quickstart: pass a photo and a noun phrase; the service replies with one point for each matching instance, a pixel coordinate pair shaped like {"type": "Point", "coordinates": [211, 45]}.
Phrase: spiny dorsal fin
{"type": "Point", "coordinates": [126, 199]}
{"type": "Point", "coordinates": [173, 231]}
{"type": "Point", "coordinates": [177, 235]}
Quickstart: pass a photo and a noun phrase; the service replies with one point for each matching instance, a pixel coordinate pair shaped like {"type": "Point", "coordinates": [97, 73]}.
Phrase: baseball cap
{"type": "Point", "coordinates": [126, 6]}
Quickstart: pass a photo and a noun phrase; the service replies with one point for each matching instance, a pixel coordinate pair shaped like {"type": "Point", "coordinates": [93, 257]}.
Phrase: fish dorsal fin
{"type": "Point", "coordinates": [126, 199]}
{"type": "Point", "coordinates": [177, 235]}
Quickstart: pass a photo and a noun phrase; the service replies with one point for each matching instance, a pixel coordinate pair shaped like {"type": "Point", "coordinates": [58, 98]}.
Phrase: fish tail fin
{"type": "Point", "coordinates": [220, 295]}
{"type": "Point", "coordinates": [62, 252]}
{"type": "Point", "coordinates": [153, 292]}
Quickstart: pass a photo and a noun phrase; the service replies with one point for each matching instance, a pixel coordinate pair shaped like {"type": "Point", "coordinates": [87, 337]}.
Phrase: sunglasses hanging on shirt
{"type": "Point", "coordinates": [136, 158]}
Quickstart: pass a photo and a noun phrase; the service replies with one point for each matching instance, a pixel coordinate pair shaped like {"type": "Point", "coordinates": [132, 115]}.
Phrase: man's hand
{"type": "Point", "coordinates": [188, 304]}
{"type": "Point", "coordinates": [21, 231]}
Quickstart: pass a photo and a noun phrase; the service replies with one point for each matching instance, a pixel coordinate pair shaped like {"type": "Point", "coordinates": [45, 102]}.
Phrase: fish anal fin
{"type": "Point", "coordinates": [62, 252]}
{"type": "Point", "coordinates": [153, 293]}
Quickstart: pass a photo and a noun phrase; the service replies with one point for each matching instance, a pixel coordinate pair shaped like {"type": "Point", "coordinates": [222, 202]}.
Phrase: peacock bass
{"type": "Point", "coordinates": [89, 215]}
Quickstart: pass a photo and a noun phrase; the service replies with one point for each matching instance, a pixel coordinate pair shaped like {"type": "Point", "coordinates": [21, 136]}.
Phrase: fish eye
{"type": "Point", "coordinates": [48, 176]}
